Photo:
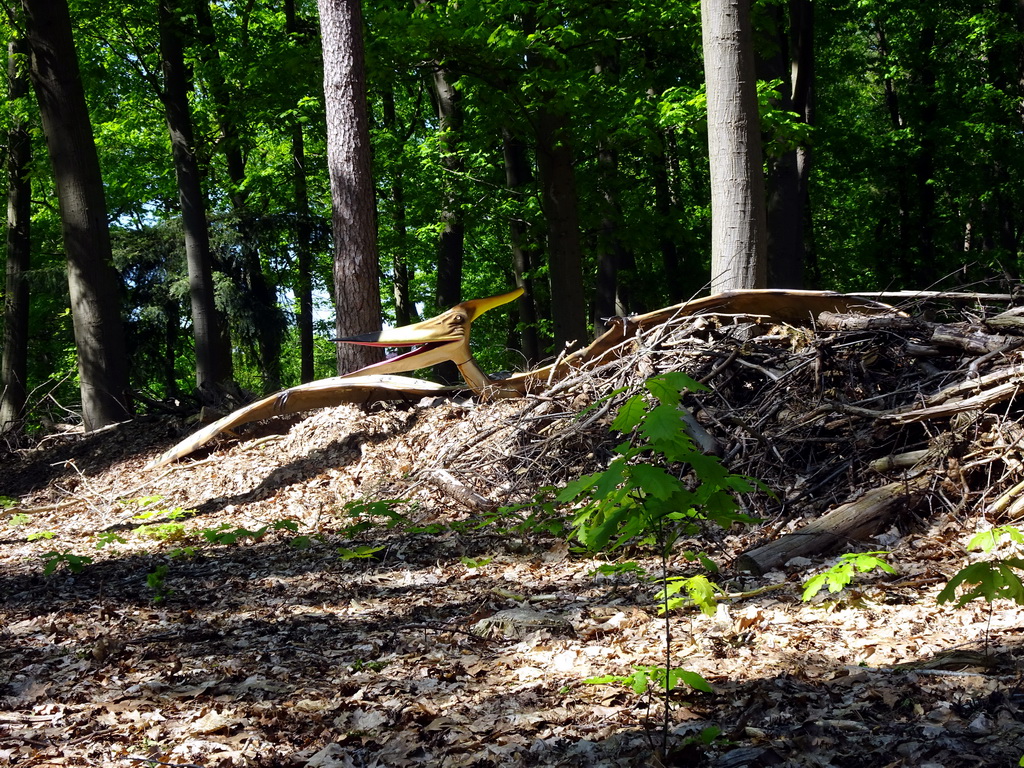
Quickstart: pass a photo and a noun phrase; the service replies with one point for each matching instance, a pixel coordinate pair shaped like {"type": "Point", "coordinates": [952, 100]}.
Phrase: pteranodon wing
{"type": "Point", "coordinates": [306, 397]}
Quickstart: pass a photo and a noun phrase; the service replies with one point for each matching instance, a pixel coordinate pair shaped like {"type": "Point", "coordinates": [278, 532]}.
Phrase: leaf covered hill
{"type": "Point", "coordinates": [363, 587]}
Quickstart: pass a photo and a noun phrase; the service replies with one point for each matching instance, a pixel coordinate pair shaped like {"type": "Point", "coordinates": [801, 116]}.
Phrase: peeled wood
{"type": "Point", "coordinates": [852, 521]}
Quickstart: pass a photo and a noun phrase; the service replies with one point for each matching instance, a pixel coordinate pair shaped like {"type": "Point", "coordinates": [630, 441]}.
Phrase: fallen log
{"type": "Point", "coordinates": [964, 338]}
{"type": "Point", "coordinates": [853, 521]}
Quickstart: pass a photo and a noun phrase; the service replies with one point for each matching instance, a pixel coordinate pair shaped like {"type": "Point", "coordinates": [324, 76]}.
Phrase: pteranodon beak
{"type": "Point", "coordinates": [441, 338]}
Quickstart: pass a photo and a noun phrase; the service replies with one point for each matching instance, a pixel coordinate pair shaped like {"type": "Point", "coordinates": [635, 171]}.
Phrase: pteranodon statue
{"type": "Point", "coordinates": [446, 337]}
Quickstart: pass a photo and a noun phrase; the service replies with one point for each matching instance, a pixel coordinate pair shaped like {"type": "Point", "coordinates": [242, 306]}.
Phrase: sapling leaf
{"type": "Point", "coordinates": [360, 552]}
{"type": "Point", "coordinates": [654, 481]}
{"type": "Point", "coordinates": [669, 386]}
{"type": "Point", "coordinates": [576, 488]}
{"type": "Point", "coordinates": [631, 413]}
{"type": "Point", "coordinates": [988, 540]}
{"type": "Point", "coordinates": [663, 425]}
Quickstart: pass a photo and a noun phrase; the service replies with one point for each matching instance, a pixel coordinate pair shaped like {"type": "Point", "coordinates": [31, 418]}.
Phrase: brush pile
{"type": "Point", "coordinates": [863, 415]}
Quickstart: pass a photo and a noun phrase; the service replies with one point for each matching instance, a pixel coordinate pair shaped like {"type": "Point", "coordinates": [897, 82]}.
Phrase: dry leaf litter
{"type": "Point", "coordinates": [470, 647]}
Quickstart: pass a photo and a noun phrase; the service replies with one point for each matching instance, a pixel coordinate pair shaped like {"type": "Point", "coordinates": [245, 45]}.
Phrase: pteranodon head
{"type": "Point", "coordinates": [441, 338]}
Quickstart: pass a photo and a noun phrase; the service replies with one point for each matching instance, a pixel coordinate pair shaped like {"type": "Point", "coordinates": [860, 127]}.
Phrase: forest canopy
{"type": "Point", "coordinates": [510, 140]}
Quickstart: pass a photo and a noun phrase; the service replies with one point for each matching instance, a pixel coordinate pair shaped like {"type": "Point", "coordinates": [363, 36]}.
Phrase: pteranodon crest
{"type": "Point", "coordinates": [441, 338]}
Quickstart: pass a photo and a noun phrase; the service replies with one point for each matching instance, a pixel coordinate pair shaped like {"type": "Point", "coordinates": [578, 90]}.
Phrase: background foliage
{"type": "Point", "coordinates": [915, 145]}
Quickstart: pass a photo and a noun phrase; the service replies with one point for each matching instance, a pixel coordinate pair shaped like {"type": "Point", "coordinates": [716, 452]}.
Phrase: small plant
{"type": "Point", "coordinates": [74, 563]}
{"type": "Point", "coordinates": [108, 537]}
{"type": "Point", "coordinates": [359, 553]}
{"type": "Point", "coordinates": [226, 535]}
{"type": "Point", "coordinates": [659, 488]}
{"type": "Point", "coordinates": [174, 513]}
{"type": "Point", "coordinates": [385, 509]}
{"type": "Point", "coordinates": [40, 535]}
{"type": "Point", "coordinates": [479, 562]}
{"type": "Point", "coordinates": [699, 591]}
{"type": "Point", "coordinates": [989, 579]}
{"type": "Point", "coordinates": [162, 531]}
{"type": "Point", "coordinates": [665, 679]}
{"type": "Point", "coordinates": [374, 666]}
{"type": "Point", "coordinates": [6, 502]}
{"type": "Point", "coordinates": [841, 575]}
{"type": "Point", "coordinates": [156, 581]}
{"type": "Point", "coordinates": [18, 518]}
{"type": "Point", "coordinates": [637, 499]}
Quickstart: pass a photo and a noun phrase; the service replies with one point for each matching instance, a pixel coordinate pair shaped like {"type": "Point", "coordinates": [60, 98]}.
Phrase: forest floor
{"type": "Point", "coordinates": [217, 624]}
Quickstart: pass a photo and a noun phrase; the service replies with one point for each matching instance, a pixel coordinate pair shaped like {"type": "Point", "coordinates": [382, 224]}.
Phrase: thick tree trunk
{"type": "Point", "coordinates": [517, 176]}
{"type": "Point", "coordinates": [559, 203]}
{"type": "Point", "coordinates": [213, 353]}
{"type": "Point", "coordinates": [738, 256]}
{"type": "Point", "coordinates": [93, 284]}
{"type": "Point", "coordinates": [303, 244]}
{"type": "Point", "coordinates": [14, 367]}
{"type": "Point", "coordinates": [356, 283]}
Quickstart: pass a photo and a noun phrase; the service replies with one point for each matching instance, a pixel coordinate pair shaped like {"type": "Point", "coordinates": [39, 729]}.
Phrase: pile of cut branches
{"type": "Point", "coordinates": [847, 419]}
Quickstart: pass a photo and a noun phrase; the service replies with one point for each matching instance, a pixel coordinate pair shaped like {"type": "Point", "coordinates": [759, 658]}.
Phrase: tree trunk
{"type": "Point", "coordinates": [405, 308]}
{"type": "Point", "coordinates": [14, 367]}
{"type": "Point", "coordinates": [92, 281]}
{"type": "Point", "coordinates": [738, 256]}
{"type": "Point", "coordinates": [213, 354]}
{"type": "Point", "coordinates": [611, 297]}
{"type": "Point", "coordinates": [265, 320]}
{"type": "Point", "coordinates": [559, 203]}
{"type": "Point", "coordinates": [451, 248]}
{"type": "Point", "coordinates": [517, 176]}
{"type": "Point", "coordinates": [303, 245]}
{"type": "Point", "coordinates": [668, 214]}
{"type": "Point", "coordinates": [356, 284]}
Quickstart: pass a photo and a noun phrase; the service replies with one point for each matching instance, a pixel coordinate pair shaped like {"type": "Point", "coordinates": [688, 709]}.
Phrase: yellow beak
{"type": "Point", "coordinates": [441, 338]}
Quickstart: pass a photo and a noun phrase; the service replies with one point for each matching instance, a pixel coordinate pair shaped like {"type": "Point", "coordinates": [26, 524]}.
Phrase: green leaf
{"type": "Point", "coordinates": [576, 488]}
{"type": "Point", "coordinates": [692, 679]}
{"type": "Point", "coordinates": [664, 424]}
{"type": "Point", "coordinates": [654, 481]}
{"type": "Point", "coordinates": [630, 414]}
{"type": "Point", "coordinates": [668, 387]}
{"type": "Point", "coordinates": [992, 580]}
{"type": "Point", "coordinates": [360, 552]}
{"type": "Point", "coordinates": [988, 540]}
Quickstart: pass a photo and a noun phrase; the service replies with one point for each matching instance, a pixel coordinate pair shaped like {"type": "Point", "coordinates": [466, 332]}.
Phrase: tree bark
{"type": "Point", "coordinates": [405, 308]}
{"type": "Point", "coordinates": [213, 353]}
{"type": "Point", "coordinates": [451, 247]}
{"type": "Point", "coordinates": [92, 281]}
{"type": "Point", "coordinates": [517, 176]}
{"type": "Point", "coordinates": [611, 297]}
{"type": "Point", "coordinates": [738, 240]}
{"type": "Point", "coordinates": [356, 283]}
{"type": "Point", "coordinates": [265, 321]}
{"type": "Point", "coordinates": [14, 366]}
{"type": "Point", "coordinates": [558, 201]}
{"type": "Point", "coordinates": [303, 244]}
